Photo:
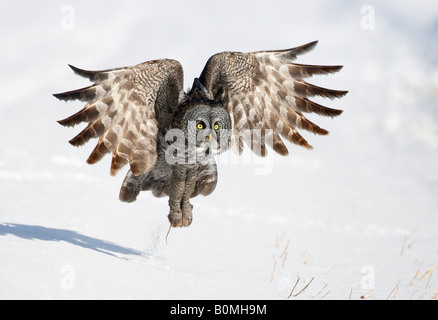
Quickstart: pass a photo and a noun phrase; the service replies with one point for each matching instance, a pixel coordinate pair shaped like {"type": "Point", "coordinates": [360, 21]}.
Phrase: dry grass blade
{"type": "Point", "coordinates": [292, 291]}
{"type": "Point", "coordinates": [405, 244]}
{"type": "Point", "coordinates": [415, 277]}
{"type": "Point", "coordinates": [331, 269]}
{"type": "Point", "coordinates": [325, 295]}
{"type": "Point", "coordinates": [285, 249]}
{"type": "Point", "coordinates": [320, 291]}
{"type": "Point", "coordinates": [304, 287]}
{"type": "Point", "coordinates": [284, 260]}
{"type": "Point", "coordinates": [368, 295]}
{"type": "Point", "coordinates": [429, 271]}
{"type": "Point", "coordinates": [273, 271]}
{"type": "Point", "coordinates": [396, 292]}
{"type": "Point", "coordinates": [396, 287]}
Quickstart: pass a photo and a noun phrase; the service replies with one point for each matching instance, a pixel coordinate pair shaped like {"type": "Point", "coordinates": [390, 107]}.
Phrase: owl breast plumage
{"type": "Point", "coordinates": [142, 116]}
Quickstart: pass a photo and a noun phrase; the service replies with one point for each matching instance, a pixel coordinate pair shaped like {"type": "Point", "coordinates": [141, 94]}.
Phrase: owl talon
{"type": "Point", "coordinates": [187, 214]}
{"type": "Point", "coordinates": [181, 217]}
{"type": "Point", "coordinates": [175, 218]}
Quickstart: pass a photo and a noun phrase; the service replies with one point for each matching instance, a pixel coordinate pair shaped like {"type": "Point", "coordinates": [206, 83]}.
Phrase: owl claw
{"type": "Point", "coordinates": [187, 214]}
{"type": "Point", "coordinates": [175, 217]}
{"type": "Point", "coordinates": [181, 217]}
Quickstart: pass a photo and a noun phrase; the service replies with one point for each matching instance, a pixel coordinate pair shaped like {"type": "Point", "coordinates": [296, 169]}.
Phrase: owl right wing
{"type": "Point", "coordinates": [265, 94]}
{"type": "Point", "coordinates": [125, 109]}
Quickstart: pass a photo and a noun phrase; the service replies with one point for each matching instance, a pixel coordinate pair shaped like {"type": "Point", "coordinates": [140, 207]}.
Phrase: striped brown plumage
{"type": "Point", "coordinates": [129, 111]}
{"type": "Point", "coordinates": [266, 90]}
{"type": "Point", "coordinates": [120, 112]}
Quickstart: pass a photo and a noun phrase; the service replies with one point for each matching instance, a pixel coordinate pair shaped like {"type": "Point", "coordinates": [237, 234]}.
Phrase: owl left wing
{"type": "Point", "coordinates": [125, 109]}
{"type": "Point", "coordinates": [265, 95]}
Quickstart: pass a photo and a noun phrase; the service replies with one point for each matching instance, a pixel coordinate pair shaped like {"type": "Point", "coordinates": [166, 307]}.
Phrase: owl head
{"type": "Point", "coordinates": [203, 127]}
{"type": "Point", "coordinates": [207, 129]}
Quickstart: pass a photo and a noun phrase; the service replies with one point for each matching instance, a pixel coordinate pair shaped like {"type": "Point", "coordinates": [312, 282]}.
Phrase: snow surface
{"type": "Point", "coordinates": [356, 217]}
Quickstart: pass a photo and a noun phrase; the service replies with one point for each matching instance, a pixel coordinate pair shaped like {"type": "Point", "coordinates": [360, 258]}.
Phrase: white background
{"type": "Point", "coordinates": [358, 214]}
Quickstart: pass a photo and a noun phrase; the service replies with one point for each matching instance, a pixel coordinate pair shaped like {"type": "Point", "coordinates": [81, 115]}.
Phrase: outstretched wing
{"type": "Point", "coordinates": [125, 109]}
{"type": "Point", "coordinates": [265, 95]}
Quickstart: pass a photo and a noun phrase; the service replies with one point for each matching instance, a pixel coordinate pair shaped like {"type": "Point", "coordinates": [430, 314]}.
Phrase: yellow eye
{"type": "Point", "coordinates": [200, 126]}
{"type": "Point", "coordinates": [216, 127]}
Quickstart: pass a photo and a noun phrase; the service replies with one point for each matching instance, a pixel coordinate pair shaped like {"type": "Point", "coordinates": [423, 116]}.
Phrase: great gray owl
{"type": "Point", "coordinates": [142, 115]}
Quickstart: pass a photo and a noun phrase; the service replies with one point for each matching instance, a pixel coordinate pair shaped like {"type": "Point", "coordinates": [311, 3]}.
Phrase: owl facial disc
{"type": "Point", "coordinates": [207, 129]}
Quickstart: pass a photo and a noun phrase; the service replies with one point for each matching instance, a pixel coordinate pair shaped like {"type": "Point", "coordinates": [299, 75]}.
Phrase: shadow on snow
{"type": "Point", "coordinates": [51, 234]}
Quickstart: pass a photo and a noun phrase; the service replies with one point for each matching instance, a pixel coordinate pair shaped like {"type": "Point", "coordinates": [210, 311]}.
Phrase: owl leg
{"type": "Point", "coordinates": [176, 191]}
{"type": "Point", "coordinates": [186, 206]}
{"type": "Point", "coordinates": [182, 183]}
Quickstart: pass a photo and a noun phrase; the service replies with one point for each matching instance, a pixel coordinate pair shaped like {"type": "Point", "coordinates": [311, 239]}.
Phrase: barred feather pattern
{"type": "Point", "coordinates": [266, 91]}
{"type": "Point", "coordinates": [121, 111]}
{"type": "Point", "coordinates": [129, 111]}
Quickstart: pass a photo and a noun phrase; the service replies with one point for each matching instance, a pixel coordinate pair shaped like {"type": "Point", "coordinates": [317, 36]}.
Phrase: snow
{"type": "Point", "coordinates": [356, 217]}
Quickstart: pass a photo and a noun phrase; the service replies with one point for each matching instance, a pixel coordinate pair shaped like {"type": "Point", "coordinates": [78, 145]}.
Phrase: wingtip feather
{"type": "Point", "coordinates": [57, 95]}
{"type": "Point", "coordinates": [83, 73]}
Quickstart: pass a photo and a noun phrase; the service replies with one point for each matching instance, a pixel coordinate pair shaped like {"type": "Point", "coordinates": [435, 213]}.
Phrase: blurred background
{"type": "Point", "coordinates": [374, 177]}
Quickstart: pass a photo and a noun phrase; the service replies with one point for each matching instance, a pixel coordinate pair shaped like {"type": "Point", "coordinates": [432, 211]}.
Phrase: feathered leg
{"type": "Point", "coordinates": [182, 183]}
{"type": "Point", "coordinates": [186, 206]}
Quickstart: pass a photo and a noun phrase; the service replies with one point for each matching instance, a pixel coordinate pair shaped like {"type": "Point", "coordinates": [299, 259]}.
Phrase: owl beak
{"type": "Point", "coordinates": [210, 137]}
